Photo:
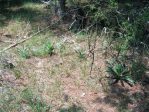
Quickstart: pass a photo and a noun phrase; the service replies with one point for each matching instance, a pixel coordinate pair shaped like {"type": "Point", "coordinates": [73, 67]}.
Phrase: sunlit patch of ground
{"type": "Point", "coordinates": [59, 82]}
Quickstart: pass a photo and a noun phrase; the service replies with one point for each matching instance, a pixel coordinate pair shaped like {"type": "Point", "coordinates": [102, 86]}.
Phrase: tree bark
{"type": "Point", "coordinates": [62, 5]}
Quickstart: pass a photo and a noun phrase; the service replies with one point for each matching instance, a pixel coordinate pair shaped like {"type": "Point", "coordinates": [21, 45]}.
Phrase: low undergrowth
{"type": "Point", "coordinates": [109, 53]}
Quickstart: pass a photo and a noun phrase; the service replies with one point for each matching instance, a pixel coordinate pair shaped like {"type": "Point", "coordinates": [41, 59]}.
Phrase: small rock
{"type": "Point", "coordinates": [83, 94]}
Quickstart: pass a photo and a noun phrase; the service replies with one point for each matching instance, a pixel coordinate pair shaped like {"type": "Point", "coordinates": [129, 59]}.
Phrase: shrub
{"type": "Point", "coordinates": [119, 72]}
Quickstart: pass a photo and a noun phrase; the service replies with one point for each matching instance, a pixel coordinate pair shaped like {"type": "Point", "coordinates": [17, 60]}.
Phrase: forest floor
{"type": "Point", "coordinates": [60, 82]}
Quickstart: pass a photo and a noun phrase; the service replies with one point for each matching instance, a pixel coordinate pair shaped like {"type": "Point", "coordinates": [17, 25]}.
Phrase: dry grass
{"type": "Point", "coordinates": [56, 83]}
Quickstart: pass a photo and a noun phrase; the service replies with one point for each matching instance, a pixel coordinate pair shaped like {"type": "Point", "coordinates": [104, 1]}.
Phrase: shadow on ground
{"type": "Point", "coordinates": [73, 108]}
{"type": "Point", "coordinates": [20, 13]}
{"type": "Point", "coordinates": [126, 99]}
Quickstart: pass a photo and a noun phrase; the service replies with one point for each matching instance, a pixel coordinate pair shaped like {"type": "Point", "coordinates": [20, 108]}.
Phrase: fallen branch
{"type": "Point", "coordinates": [15, 44]}
{"type": "Point", "coordinates": [21, 41]}
{"type": "Point", "coordinates": [46, 2]}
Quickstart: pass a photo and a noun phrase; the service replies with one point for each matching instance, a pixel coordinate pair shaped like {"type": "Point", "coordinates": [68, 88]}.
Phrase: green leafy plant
{"type": "Point", "coordinates": [119, 72]}
{"type": "Point", "coordinates": [49, 48]}
{"type": "Point", "coordinates": [81, 54]}
{"type": "Point", "coordinates": [46, 49]}
{"type": "Point", "coordinates": [24, 53]}
{"type": "Point", "coordinates": [34, 102]}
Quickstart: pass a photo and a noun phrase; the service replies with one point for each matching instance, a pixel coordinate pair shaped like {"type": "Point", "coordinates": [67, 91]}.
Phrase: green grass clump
{"type": "Point", "coordinates": [24, 53]}
{"type": "Point", "coordinates": [12, 101]}
{"type": "Point", "coordinates": [44, 50]}
{"type": "Point", "coordinates": [49, 48]}
{"type": "Point", "coordinates": [81, 54]}
{"type": "Point", "coordinates": [36, 104]}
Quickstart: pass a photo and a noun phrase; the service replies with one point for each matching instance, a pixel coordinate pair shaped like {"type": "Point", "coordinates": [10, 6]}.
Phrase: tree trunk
{"type": "Point", "coordinates": [62, 5]}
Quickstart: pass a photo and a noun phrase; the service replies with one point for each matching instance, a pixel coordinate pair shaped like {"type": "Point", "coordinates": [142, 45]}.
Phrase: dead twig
{"type": "Point", "coordinates": [15, 44]}
{"type": "Point", "coordinates": [92, 52]}
{"type": "Point", "coordinates": [92, 46]}
{"type": "Point", "coordinates": [23, 40]}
